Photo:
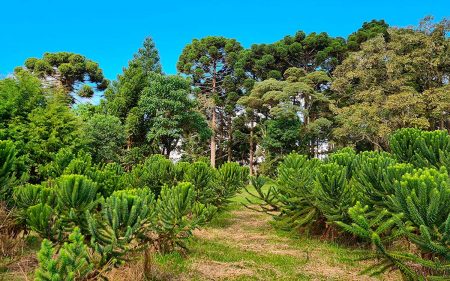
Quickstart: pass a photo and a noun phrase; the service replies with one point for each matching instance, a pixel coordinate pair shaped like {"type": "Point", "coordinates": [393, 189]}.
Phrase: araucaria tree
{"type": "Point", "coordinates": [68, 71]}
{"type": "Point", "coordinates": [210, 62]}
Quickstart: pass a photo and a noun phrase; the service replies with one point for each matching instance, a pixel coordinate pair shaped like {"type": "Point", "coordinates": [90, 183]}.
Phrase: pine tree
{"type": "Point", "coordinates": [70, 264]}
{"type": "Point", "coordinates": [75, 194]}
{"type": "Point", "coordinates": [122, 224]}
{"type": "Point", "coordinates": [334, 195]}
{"type": "Point", "coordinates": [177, 214]}
{"type": "Point", "coordinates": [295, 184]}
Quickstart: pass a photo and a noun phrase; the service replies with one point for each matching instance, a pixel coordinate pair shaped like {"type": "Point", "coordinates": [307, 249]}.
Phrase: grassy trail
{"type": "Point", "coordinates": [242, 245]}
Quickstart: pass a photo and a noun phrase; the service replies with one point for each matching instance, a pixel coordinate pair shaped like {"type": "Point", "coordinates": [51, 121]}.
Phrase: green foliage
{"type": "Point", "coordinates": [7, 161]}
{"type": "Point", "coordinates": [68, 70]}
{"type": "Point", "coordinates": [203, 178]}
{"type": "Point", "coordinates": [56, 167]}
{"type": "Point", "coordinates": [154, 173]}
{"type": "Point", "coordinates": [75, 194]}
{"type": "Point", "coordinates": [71, 261]}
{"type": "Point", "coordinates": [47, 130]}
{"type": "Point", "coordinates": [230, 179]}
{"type": "Point", "coordinates": [265, 195]}
{"type": "Point", "coordinates": [345, 157]}
{"type": "Point", "coordinates": [423, 197]}
{"type": "Point", "coordinates": [41, 218]}
{"type": "Point", "coordinates": [147, 57]}
{"type": "Point", "coordinates": [170, 112]}
{"type": "Point", "coordinates": [30, 195]}
{"type": "Point", "coordinates": [106, 137]}
{"type": "Point", "coordinates": [177, 214]}
{"type": "Point", "coordinates": [377, 96]}
{"type": "Point", "coordinates": [368, 31]}
{"type": "Point", "coordinates": [374, 175]}
{"type": "Point", "coordinates": [213, 186]}
{"type": "Point", "coordinates": [334, 195]}
{"type": "Point", "coordinates": [377, 230]}
{"type": "Point", "coordinates": [295, 189]}
{"type": "Point", "coordinates": [122, 224]}
{"type": "Point", "coordinates": [109, 178]}
{"type": "Point", "coordinates": [181, 168]}
{"type": "Point", "coordinates": [421, 148]}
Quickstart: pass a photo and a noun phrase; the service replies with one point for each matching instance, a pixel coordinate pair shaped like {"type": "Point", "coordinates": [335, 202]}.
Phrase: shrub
{"type": "Point", "coordinates": [70, 263]}
{"type": "Point", "coordinates": [295, 184]}
{"type": "Point", "coordinates": [203, 177]}
{"type": "Point", "coordinates": [373, 177]}
{"type": "Point", "coordinates": [154, 173]}
{"type": "Point", "coordinates": [7, 160]}
{"type": "Point", "coordinates": [230, 179]}
{"type": "Point", "coordinates": [334, 196]}
{"type": "Point", "coordinates": [42, 219]}
{"type": "Point", "coordinates": [177, 214]}
{"type": "Point", "coordinates": [421, 148]}
{"type": "Point", "coordinates": [122, 223]}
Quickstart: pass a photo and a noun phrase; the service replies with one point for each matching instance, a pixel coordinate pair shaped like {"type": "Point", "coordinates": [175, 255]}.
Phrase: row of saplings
{"type": "Point", "coordinates": [398, 201]}
{"type": "Point", "coordinates": [94, 217]}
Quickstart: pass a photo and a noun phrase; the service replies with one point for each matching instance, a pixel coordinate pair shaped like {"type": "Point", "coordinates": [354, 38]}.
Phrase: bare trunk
{"type": "Point", "coordinates": [213, 124]}
{"type": "Point", "coordinates": [230, 139]}
{"type": "Point", "coordinates": [213, 138]}
{"type": "Point", "coordinates": [251, 149]}
{"type": "Point", "coordinates": [129, 142]}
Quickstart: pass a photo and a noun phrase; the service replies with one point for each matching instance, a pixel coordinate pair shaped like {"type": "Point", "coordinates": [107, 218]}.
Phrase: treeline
{"type": "Point", "coordinates": [309, 93]}
{"type": "Point", "coordinates": [398, 202]}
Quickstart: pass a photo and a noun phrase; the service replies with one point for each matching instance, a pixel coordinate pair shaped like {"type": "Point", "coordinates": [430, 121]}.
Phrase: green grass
{"type": "Point", "coordinates": [312, 258]}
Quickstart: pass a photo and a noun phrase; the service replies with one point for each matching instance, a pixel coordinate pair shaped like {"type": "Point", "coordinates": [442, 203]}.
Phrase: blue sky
{"type": "Point", "coordinates": [109, 32]}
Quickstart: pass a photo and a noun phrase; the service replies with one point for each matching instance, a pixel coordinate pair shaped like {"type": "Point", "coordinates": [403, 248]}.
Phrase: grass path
{"type": "Point", "coordinates": [242, 245]}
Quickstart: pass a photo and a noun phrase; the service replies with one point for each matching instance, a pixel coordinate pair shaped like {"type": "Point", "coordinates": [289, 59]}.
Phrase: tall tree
{"type": "Point", "coordinates": [393, 82]}
{"type": "Point", "coordinates": [210, 62]}
{"type": "Point", "coordinates": [71, 72]}
{"type": "Point", "coordinates": [106, 138]}
{"type": "Point", "coordinates": [147, 57]}
{"type": "Point", "coordinates": [368, 31]}
{"type": "Point", "coordinates": [293, 113]}
{"type": "Point", "coordinates": [309, 52]}
{"type": "Point", "coordinates": [170, 112]}
{"type": "Point", "coordinates": [123, 95]}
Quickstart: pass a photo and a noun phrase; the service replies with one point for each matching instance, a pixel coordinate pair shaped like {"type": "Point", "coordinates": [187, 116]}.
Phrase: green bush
{"type": "Point", "coordinates": [421, 148]}
{"type": "Point", "coordinates": [70, 263]}
{"type": "Point", "coordinates": [295, 190]}
{"type": "Point", "coordinates": [230, 179]}
{"type": "Point", "coordinates": [333, 194]}
{"type": "Point", "coordinates": [203, 178]}
{"type": "Point", "coordinates": [7, 161]}
{"type": "Point", "coordinates": [121, 224]}
{"type": "Point", "coordinates": [42, 219]}
{"type": "Point", "coordinates": [177, 214]}
{"type": "Point", "coordinates": [154, 173]}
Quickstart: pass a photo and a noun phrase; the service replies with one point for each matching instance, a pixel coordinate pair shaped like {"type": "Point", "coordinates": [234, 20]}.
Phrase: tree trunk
{"type": "Point", "coordinates": [213, 123]}
{"type": "Point", "coordinates": [213, 138]}
{"type": "Point", "coordinates": [129, 142]}
{"type": "Point", "coordinates": [230, 139]}
{"type": "Point", "coordinates": [251, 149]}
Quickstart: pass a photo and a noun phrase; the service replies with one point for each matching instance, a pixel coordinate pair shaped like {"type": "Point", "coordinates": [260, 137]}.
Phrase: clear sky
{"type": "Point", "coordinates": [109, 32]}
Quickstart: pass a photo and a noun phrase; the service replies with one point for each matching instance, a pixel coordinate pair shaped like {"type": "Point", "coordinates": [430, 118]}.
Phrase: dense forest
{"type": "Point", "coordinates": [341, 139]}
